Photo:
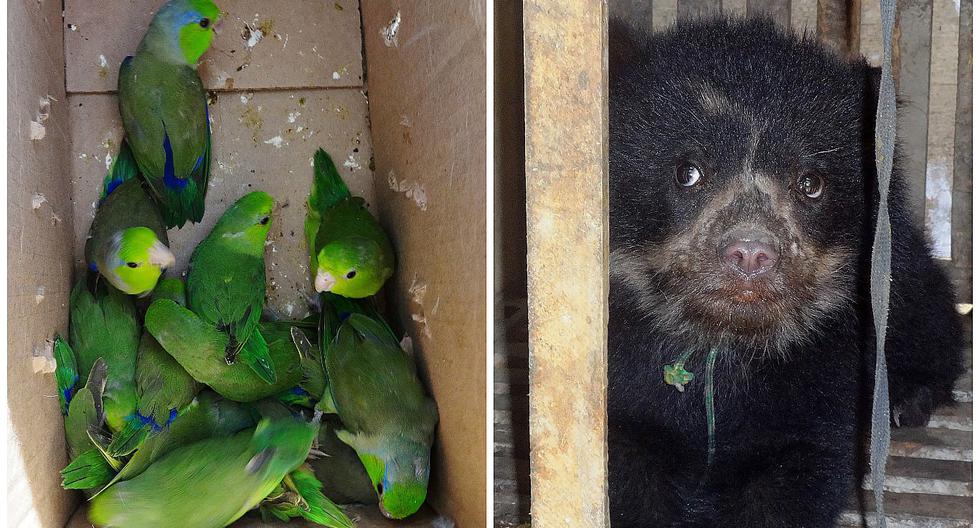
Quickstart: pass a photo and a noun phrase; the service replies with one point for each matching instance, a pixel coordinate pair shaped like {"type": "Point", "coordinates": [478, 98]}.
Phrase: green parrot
{"type": "Point", "coordinates": [127, 241]}
{"type": "Point", "coordinates": [104, 325]}
{"type": "Point", "coordinates": [200, 349]}
{"type": "Point", "coordinates": [209, 483]}
{"type": "Point", "coordinates": [387, 417]}
{"type": "Point", "coordinates": [160, 381]}
{"type": "Point", "coordinates": [350, 254]}
{"type": "Point", "coordinates": [164, 107]}
{"type": "Point", "coordinates": [207, 416]}
{"type": "Point", "coordinates": [226, 280]}
{"type": "Point", "coordinates": [300, 494]}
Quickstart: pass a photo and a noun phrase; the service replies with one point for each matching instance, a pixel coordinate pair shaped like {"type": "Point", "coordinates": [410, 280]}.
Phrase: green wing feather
{"type": "Point", "coordinates": [65, 372]}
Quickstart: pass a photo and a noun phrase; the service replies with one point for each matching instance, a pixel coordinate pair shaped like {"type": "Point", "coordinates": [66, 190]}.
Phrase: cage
{"type": "Point", "coordinates": [393, 90]}
{"type": "Point", "coordinates": [549, 407]}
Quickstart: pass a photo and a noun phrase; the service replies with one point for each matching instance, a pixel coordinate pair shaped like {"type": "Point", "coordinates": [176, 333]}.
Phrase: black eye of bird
{"type": "Point", "coordinates": [265, 220]}
{"type": "Point", "coordinates": [132, 264]}
{"type": "Point", "coordinates": [688, 175]}
{"type": "Point", "coordinates": [351, 274]}
{"type": "Point", "coordinates": [205, 22]}
{"type": "Point", "coordinates": [811, 185]}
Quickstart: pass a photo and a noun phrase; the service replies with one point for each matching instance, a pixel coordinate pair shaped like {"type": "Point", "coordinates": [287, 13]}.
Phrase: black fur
{"type": "Point", "coordinates": [793, 380]}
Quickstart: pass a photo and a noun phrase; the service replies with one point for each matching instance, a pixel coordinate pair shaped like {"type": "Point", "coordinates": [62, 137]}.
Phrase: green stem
{"type": "Point", "coordinates": [709, 400]}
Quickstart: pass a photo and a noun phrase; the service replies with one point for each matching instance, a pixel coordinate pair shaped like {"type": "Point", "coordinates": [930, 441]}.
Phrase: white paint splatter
{"type": "Point", "coordinates": [243, 99]}
{"type": "Point", "coordinates": [108, 160]}
{"type": "Point", "coordinates": [37, 200]}
{"type": "Point", "coordinates": [336, 76]}
{"type": "Point", "coordinates": [412, 190]}
{"type": "Point", "coordinates": [275, 141]}
{"type": "Point", "coordinates": [72, 27]}
{"type": "Point", "coordinates": [389, 33]}
{"type": "Point", "coordinates": [42, 361]}
{"type": "Point", "coordinates": [39, 296]}
{"type": "Point", "coordinates": [255, 35]}
{"type": "Point", "coordinates": [405, 121]}
{"type": "Point", "coordinates": [352, 163]}
{"type": "Point", "coordinates": [37, 131]}
{"type": "Point", "coordinates": [292, 116]}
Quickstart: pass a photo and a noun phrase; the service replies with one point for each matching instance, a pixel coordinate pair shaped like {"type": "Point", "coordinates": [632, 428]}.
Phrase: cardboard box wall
{"type": "Point", "coordinates": [275, 98]}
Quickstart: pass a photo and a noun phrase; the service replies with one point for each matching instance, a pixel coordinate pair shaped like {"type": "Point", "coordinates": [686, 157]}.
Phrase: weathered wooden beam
{"type": "Point", "coordinates": [638, 12]}
{"type": "Point", "coordinates": [697, 8]}
{"type": "Point", "coordinates": [839, 25]}
{"type": "Point", "coordinates": [777, 10]}
{"type": "Point", "coordinates": [566, 121]}
{"type": "Point", "coordinates": [912, 48]}
{"type": "Point", "coordinates": [962, 209]}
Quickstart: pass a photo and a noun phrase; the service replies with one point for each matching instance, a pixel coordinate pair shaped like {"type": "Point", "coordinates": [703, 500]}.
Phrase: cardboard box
{"type": "Point", "coordinates": [286, 77]}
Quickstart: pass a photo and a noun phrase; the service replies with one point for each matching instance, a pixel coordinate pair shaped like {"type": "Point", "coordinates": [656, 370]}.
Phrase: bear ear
{"type": "Point", "coordinates": [625, 44]}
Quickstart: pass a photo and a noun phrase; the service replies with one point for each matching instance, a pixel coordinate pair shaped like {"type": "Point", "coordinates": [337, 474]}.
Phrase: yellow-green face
{"type": "Point", "coordinates": [136, 261]}
{"type": "Point", "coordinates": [197, 29]}
{"type": "Point", "coordinates": [352, 268]}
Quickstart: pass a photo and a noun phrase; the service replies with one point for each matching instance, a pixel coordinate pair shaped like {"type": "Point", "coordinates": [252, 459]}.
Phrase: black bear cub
{"type": "Point", "coordinates": [742, 203]}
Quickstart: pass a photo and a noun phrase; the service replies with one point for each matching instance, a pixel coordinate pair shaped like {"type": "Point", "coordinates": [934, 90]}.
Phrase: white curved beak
{"type": "Point", "coordinates": [324, 281]}
{"type": "Point", "coordinates": [160, 255]}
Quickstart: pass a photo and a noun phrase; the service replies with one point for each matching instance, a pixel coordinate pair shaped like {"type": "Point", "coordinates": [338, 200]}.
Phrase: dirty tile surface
{"type": "Point", "coordinates": [260, 43]}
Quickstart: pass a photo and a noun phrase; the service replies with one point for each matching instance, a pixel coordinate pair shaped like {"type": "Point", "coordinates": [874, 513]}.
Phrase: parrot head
{"type": "Point", "coordinates": [135, 261]}
{"type": "Point", "coordinates": [351, 267]}
{"type": "Point", "coordinates": [401, 481]}
{"type": "Point", "coordinates": [247, 220]}
{"type": "Point", "coordinates": [188, 27]}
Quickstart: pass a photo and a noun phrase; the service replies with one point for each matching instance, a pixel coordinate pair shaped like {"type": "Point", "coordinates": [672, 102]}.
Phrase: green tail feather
{"type": "Point", "coordinates": [255, 354]}
{"type": "Point", "coordinates": [88, 470]}
{"type": "Point", "coordinates": [123, 169]}
{"type": "Point", "coordinates": [183, 205]}
{"type": "Point", "coordinates": [129, 438]}
{"type": "Point", "coordinates": [320, 509]}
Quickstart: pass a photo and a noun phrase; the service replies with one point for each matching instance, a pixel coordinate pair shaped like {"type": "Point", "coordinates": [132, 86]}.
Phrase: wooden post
{"type": "Point", "coordinates": [638, 12]}
{"type": "Point", "coordinates": [839, 25]}
{"type": "Point", "coordinates": [912, 45]}
{"type": "Point", "coordinates": [566, 121]}
{"type": "Point", "coordinates": [962, 210]}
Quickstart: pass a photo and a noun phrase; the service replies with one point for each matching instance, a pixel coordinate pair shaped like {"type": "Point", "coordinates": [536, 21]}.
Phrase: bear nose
{"type": "Point", "coordinates": [750, 257]}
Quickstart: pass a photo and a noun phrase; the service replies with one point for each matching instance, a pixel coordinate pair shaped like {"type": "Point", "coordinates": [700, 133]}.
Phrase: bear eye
{"type": "Point", "coordinates": [351, 274]}
{"type": "Point", "coordinates": [810, 185]}
{"type": "Point", "coordinates": [687, 175]}
{"type": "Point", "coordinates": [264, 221]}
{"type": "Point", "coordinates": [205, 22]}
{"type": "Point", "coordinates": [132, 264]}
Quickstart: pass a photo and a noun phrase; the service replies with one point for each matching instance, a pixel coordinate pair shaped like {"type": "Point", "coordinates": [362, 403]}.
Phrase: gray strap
{"type": "Point", "coordinates": [881, 262]}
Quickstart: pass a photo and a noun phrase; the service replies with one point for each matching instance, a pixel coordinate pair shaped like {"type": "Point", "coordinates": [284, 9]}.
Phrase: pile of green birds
{"type": "Point", "coordinates": [184, 406]}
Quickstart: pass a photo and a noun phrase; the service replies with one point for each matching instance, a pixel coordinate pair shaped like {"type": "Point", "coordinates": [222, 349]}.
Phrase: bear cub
{"type": "Point", "coordinates": [742, 199]}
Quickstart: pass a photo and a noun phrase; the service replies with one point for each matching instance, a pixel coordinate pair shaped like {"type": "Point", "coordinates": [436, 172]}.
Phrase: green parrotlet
{"type": "Point", "coordinates": [164, 109]}
{"type": "Point", "coordinates": [350, 253]}
{"type": "Point", "coordinates": [387, 417]}
{"type": "Point", "coordinates": [127, 242]}
{"type": "Point", "coordinates": [209, 483]}
{"type": "Point", "coordinates": [226, 281]}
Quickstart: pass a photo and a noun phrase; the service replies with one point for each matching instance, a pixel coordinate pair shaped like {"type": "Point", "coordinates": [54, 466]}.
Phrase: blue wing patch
{"type": "Point", "coordinates": [170, 178]}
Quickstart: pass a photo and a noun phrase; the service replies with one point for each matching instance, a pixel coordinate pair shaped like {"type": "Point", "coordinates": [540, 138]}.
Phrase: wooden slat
{"type": "Point", "coordinates": [777, 10]}
{"type": "Point", "coordinates": [839, 25]}
{"type": "Point", "coordinates": [913, 49]}
{"type": "Point", "coordinates": [566, 121]}
{"type": "Point", "coordinates": [962, 211]}
{"type": "Point", "coordinates": [664, 14]}
{"type": "Point", "coordinates": [697, 8]}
